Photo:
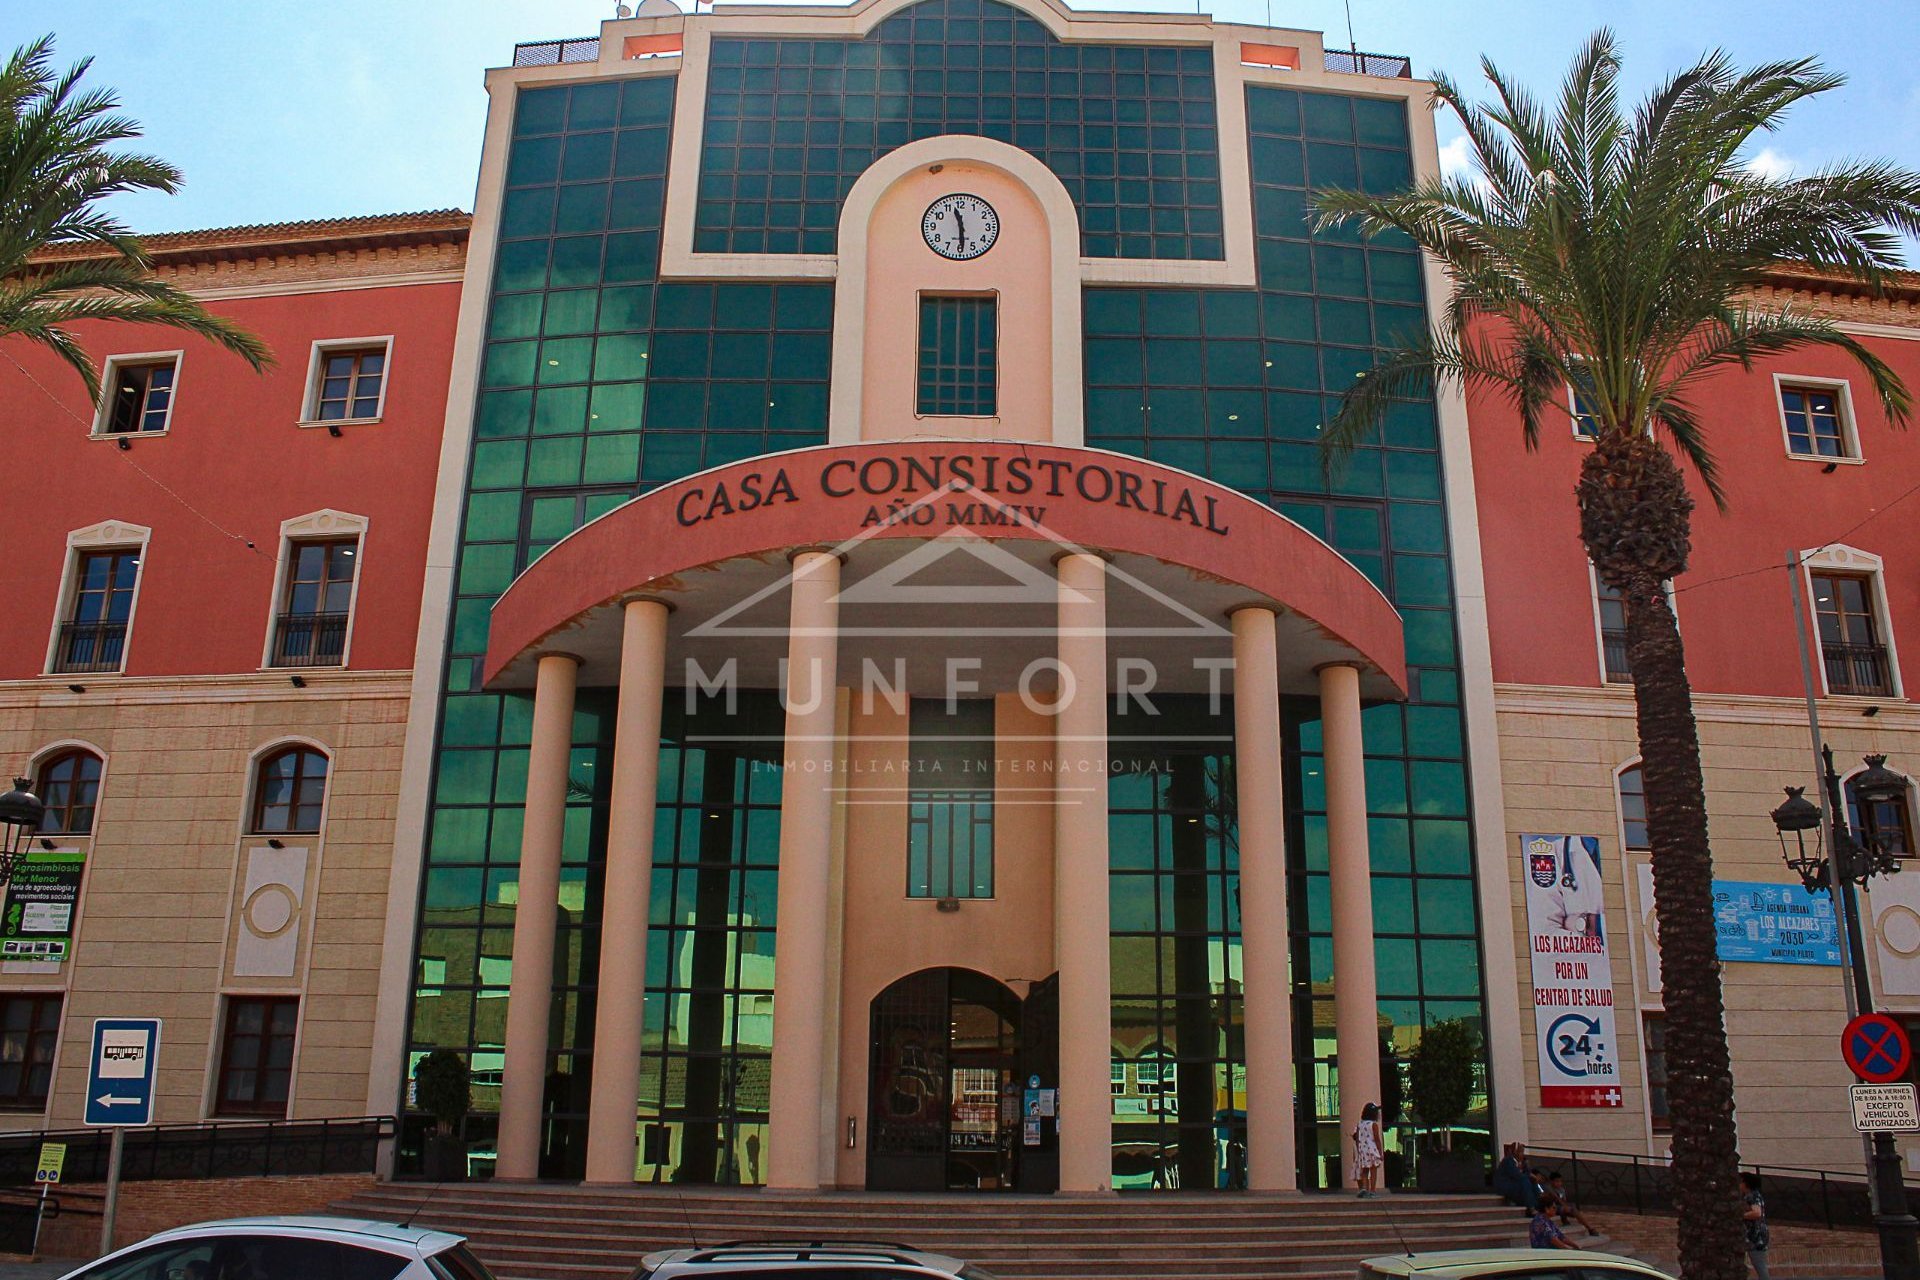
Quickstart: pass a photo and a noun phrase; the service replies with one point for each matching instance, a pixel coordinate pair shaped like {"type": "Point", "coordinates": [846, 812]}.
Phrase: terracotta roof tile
{"type": "Point", "coordinates": [316, 234]}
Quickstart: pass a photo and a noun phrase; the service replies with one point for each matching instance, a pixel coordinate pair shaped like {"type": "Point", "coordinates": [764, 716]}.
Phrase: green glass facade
{"type": "Point", "coordinates": [1236, 386]}
{"type": "Point", "coordinates": [599, 382]}
{"type": "Point", "coordinates": [791, 124]}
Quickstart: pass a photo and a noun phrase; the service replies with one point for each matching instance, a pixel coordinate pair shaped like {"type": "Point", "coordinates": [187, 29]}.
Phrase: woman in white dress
{"type": "Point", "coordinates": [1367, 1142]}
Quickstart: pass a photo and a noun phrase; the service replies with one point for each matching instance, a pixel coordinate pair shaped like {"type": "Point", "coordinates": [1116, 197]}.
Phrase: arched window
{"type": "Point", "coordinates": [1891, 820]}
{"type": "Point", "coordinates": [288, 789]}
{"type": "Point", "coordinates": [1633, 808]}
{"type": "Point", "coordinates": [69, 783]}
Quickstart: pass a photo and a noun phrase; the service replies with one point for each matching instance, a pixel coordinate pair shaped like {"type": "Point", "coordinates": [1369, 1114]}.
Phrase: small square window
{"type": "Point", "coordinates": [137, 395]}
{"type": "Point", "coordinates": [349, 382]}
{"type": "Point", "coordinates": [1816, 420]}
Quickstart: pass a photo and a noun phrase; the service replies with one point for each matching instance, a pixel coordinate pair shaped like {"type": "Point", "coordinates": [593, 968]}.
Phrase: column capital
{"type": "Point", "coordinates": [795, 553]}
{"type": "Point", "coordinates": [574, 658]}
{"type": "Point", "coordinates": [1263, 606]}
{"type": "Point", "coordinates": [1093, 553]}
{"type": "Point", "coordinates": [1349, 663]}
{"type": "Point", "coordinates": [647, 597]}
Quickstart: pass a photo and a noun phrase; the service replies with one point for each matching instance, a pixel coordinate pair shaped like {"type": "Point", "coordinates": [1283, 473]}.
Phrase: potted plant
{"type": "Point", "coordinates": [443, 1088]}
{"type": "Point", "coordinates": [1440, 1088]}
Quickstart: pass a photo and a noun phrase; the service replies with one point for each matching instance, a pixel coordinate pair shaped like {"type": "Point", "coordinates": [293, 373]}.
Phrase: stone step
{"type": "Point", "coordinates": [551, 1231]}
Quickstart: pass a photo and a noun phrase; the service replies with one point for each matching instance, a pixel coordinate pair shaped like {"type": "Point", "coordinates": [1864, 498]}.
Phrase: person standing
{"type": "Point", "coordinates": [1368, 1142]}
{"type": "Point", "coordinates": [1759, 1236]}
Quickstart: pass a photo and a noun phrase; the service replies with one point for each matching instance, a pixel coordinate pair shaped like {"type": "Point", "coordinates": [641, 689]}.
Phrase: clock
{"type": "Point", "coordinates": [960, 226]}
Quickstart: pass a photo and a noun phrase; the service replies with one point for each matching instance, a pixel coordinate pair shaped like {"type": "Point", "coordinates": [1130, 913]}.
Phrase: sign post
{"type": "Point", "coordinates": [53, 1158]}
{"type": "Point", "coordinates": [120, 1081]}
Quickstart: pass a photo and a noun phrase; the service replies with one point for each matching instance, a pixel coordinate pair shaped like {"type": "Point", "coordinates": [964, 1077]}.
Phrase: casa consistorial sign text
{"type": "Point", "coordinates": [895, 486]}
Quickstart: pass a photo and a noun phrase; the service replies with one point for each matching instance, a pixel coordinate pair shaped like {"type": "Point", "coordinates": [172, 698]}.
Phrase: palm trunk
{"type": "Point", "coordinates": [1635, 517]}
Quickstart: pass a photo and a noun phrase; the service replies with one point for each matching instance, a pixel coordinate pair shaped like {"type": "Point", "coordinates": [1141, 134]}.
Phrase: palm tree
{"type": "Point", "coordinates": [1621, 255]}
{"type": "Point", "coordinates": [55, 169]}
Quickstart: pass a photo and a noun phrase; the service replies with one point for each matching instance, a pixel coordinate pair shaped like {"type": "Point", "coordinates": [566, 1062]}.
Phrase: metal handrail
{"type": "Point", "coordinates": [1388, 66]}
{"type": "Point", "coordinates": [1642, 1184]}
{"type": "Point", "coordinates": [90, 647]}
{"type": "Point", "coordinates": [1857, 668]}
{"type": "Point", "coordinates": [309, 639]}
{"type": "Point", "coordinates": [547, 53]}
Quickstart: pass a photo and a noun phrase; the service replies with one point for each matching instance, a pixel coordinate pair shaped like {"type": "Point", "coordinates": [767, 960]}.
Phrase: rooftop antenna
{"type": "Point", "coordinates": [1353, 46]}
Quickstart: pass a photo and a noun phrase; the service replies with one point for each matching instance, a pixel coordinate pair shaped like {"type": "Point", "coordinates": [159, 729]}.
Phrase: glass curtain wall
{"type": "Point", "coordinates": [1179, 1056]}
{"type": "Point", "coordinates": [570, 421]}
{"type": "Point", "coordinates": [1236, 386]}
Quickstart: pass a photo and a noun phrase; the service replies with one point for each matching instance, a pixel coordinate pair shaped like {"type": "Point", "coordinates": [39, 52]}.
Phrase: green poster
{"type": "Point", "coordinates": [37, 923]}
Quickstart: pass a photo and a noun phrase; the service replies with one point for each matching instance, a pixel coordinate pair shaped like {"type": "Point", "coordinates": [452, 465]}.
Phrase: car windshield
{"type": "Point", "coordinates": [458, 1263]}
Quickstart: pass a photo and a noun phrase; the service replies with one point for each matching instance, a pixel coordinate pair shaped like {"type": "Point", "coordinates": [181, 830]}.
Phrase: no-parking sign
{"type": "Point", "coordinates": [1876, 1048]}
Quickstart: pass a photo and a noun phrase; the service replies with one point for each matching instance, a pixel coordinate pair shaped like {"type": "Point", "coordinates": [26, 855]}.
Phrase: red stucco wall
{"type": "Point", "coordinates": [1738, 629]}
{"type": "Point", "coordinates": [233, 454]}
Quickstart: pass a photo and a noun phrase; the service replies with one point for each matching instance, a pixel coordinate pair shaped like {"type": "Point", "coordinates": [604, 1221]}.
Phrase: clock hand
{"type": "Point", "coordinates": [959, 225]}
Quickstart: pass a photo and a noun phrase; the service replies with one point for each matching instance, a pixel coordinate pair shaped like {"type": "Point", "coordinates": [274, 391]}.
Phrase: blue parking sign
{"type": "Point", "coordinates": [120, 1078]}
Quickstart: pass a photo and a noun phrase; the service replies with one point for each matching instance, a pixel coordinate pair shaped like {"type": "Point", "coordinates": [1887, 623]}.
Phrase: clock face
{"type": "Point", "coordinates": [960, 226]}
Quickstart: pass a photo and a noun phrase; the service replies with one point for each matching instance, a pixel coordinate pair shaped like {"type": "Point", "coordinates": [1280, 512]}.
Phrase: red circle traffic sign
{"type": "Point", "coordinates": [1876, 1048]}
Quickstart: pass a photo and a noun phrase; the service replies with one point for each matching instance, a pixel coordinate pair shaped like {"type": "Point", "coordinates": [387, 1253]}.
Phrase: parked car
{"type": "Point", "coordinates": [291, 1249]}
{"type": "Point", "coordinates": [788, 1259]}
{"type": "Point", "coordinates": [1519, 1264]}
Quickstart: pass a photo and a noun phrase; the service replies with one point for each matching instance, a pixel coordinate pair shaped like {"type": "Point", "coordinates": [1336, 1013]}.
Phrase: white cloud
{"type": "Point", "coordinates": [1771, 164]}
{"type": "Point", "coordinates": [1456, 158]}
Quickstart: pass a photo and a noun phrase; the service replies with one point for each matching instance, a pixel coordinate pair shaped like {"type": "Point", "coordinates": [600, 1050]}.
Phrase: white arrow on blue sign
{"type": "Point", "coordinates": [120, 1079]}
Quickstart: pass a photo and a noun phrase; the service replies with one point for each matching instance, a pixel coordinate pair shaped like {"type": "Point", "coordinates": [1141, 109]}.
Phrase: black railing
{"type": "Point", "coordinates": [547, 53]}
{"type": "Point", "coordinates": [1644, 1184]}
{"type": "Point", "coordinates": [1857, 669]}
{"type": "Point", "coordinates": [309, 639]}
{"type": "Point", "coordinates": [244, 1149]}
{"type": "Point", "coordinates": [1390, 66]}
{"type": "Point", "coordinates": [1613, 646]}
{"type": "Point", "coordinates": [90, 646]}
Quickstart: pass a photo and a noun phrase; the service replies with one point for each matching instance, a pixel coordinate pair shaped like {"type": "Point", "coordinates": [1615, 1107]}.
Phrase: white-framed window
{"type": "Point", "coordinates": [347, 381]}
{"type": "Point", "coordinates": [1846, 593]}
{"type": "Point", "coordinates": [99, 592]}
{"type": "Point", "coordinates": [1630, 791]}
{"type": "Point", "coordinates": [136, 394]}
{"type": "Point", "coordinates": [1610, 628]}
{"type": "Point", "coordinates": [314, 590]}
{"type": "Point", "coordinates": [1816, 418]}
{"type": "Point", "coordinates": [1890, 820]}
{"type": "Point", "coordinates": [1580, 405]}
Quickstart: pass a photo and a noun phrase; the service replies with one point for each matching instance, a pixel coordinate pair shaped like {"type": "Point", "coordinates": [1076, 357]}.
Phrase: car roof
{"type": "Point", "coordinates": [418, 1239]}
{"type": "Point", "coordinates": [1459, 1264]}
{"type": "Point", "coordinates": [833, 1252]}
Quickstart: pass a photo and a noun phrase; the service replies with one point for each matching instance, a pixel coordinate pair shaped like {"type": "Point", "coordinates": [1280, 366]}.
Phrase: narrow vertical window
{"type": "Point", "coordinates": [1654, 1044]}
{"type": "Point", "coordinates": [69, 784]}
{"type": "Point", "coordinates": [256, 1055]}
{"type": "Point", "coordinates": [1580, 402]}
{"type": "Point", "coordinates": [94, 635]}
{"type": "Point", "coordinates": [950, 799]}
{"type": "Point", "coordinates": [1852, 649]}
{"type": "Point", "coordinates": [1613, 634]}
{"type": "Point", "coordinates": [959, 357]}
{"type": "Point", "coordinates": [288, 791]}
{"type": "Point", "coordinates": [1633, 808]}
{"type": "Point", "coordinates": [311, 629]}
{"type": "Point", "coordinates": [29, 1029]}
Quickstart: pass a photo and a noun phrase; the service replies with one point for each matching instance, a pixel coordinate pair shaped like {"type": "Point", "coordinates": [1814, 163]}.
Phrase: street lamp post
{"type": "Point", "coordinates": [1853, 862]}
{"type": "Point", "coordinates": [20, 815]}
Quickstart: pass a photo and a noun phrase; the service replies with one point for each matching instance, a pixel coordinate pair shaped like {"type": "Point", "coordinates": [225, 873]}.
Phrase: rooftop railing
{"type": "Point", "coordinates": [549, 53]}
{"type": "Point", "coordinates": [1390, 66]}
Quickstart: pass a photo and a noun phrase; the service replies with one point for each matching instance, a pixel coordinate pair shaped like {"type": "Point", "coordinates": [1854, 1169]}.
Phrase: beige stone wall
{"type": "Point", "coordinates": [1559, 752]}
{"type": "Point", "coordinates": [159, 921]}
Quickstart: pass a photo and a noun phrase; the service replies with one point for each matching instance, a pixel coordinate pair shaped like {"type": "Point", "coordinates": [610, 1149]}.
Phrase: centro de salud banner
{"type": "Point", "coordinates": [1572, 971]}
{"type": "Point", "coordinates": [37, 921]}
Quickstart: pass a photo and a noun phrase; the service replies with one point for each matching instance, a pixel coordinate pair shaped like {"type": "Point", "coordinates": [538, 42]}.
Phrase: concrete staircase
{"type": "Point", "coordinates": [563, 1232]}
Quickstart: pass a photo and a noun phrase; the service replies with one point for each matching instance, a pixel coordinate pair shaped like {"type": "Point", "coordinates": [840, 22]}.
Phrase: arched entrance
{"type": "Point", "coordinates": [948, 1067]}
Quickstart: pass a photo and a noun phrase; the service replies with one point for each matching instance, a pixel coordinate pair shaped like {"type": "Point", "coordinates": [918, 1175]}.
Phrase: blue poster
{"type": "Point", "coordinates": [1769, 923]}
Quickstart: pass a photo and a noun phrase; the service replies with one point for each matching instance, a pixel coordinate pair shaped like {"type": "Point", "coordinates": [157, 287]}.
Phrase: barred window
{"type": "Point", "coordinates": [959, 366]}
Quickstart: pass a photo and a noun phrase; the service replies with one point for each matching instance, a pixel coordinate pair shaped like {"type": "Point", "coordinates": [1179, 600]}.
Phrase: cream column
{"type": "Point", "coordinates": [1081, 947]}
{"type": "Point", "coordinates": [794, 1096]}
{"type": "Point", "coordinates": [615, 1102]}
{"type": "Point", "coordinates": [1356, 1006]}
{"type": "Point", "coordinates": [530, 987]}
{"type": "Point", "coordinates": [1265, 991]}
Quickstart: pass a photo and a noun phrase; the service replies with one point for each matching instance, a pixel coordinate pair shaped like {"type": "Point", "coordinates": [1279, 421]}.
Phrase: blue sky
{"type": "Point", "coordinates": [280, 111]}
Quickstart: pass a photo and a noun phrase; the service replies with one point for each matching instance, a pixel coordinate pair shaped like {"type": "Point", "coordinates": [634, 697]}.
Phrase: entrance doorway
{"type": "Point", "coordinates": [946, 1080]}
